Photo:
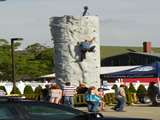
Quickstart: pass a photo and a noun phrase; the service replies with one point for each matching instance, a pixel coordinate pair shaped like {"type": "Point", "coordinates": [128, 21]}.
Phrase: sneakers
{"type": "Point", "coordinates": [113, 108]}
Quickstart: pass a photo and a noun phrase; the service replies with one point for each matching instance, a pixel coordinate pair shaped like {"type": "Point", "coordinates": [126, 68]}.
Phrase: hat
{"type": "Point", "coordinates": [122, 85]}
{"type": "Point", "coordinates": [81, 83]}
{"type": "Point", "coordinates": [87, 40]}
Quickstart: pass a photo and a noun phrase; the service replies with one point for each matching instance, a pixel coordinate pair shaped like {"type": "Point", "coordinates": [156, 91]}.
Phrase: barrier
{"type": "Point", "coordinates": [28, 96]}
{"type": "Point", "coordinates": [109, 98]}
{"type": "Point", "coordinates": [79, 99]}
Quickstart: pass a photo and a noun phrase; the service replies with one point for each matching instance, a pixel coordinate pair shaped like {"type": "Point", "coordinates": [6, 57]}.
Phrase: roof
{"type": "Point", "coordinates": [48, 76]}
{"type": "Point", "coordinates": [148, 54]}
{"type": "Point", "coordinates": [105, 70]}
{"type": "Point", "coordinates": [150, 70]}
{"type": "Point", "coordinates": [108, 51]}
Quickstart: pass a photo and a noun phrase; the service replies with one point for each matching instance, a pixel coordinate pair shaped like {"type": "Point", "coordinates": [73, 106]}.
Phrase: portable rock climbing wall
{"type": "Point", "coordinates": [66, 31]}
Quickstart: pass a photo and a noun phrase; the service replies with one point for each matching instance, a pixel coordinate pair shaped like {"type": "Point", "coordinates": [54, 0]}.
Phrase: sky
{"type": "Point", "coordinates": [121, 22]}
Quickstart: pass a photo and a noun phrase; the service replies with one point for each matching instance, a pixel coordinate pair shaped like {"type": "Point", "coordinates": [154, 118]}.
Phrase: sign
{"type": "Point", "coordinates": [105, 84]}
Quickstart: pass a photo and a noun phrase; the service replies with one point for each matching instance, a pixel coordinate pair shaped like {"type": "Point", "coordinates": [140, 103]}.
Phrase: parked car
{"type": "Point", "coordinates": [143, 98]}
{"type": "Point", "coordinates": [107, 90]}
{"type": "Point", "coordinates": [12, 107]}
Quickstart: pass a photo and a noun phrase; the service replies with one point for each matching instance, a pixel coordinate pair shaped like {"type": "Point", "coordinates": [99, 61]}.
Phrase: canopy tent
{"type": "Point", "coordinates": [151, 70]}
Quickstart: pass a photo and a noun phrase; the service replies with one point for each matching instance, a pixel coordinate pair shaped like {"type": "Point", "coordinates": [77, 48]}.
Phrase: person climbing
{"type": "Point", "coordinates": [86, 47]}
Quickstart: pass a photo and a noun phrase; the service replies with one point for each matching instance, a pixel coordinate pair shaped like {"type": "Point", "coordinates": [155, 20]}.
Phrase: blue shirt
{"type": "Point", "coordinates": [86, 44]}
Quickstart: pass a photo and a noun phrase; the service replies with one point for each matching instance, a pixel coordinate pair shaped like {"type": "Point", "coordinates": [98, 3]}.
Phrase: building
{"type": "Point", "coordinates": [132, 58]}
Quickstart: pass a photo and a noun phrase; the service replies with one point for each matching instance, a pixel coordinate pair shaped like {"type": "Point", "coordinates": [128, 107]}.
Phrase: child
{"type": "Point", "coordinates": [101, 93]}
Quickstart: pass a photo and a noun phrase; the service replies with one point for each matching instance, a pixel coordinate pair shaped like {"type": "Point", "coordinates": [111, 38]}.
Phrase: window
{"type": "Point", "coordinates": [8, 112]}
{"type": "Point", "coordinates": [52, 111]}
{"type": "Point", "coordinates": [149, 60]}
{"type": "Point", "coordinates": [115, 62]}
{"type": "Point", "coordinates": [133, 61]}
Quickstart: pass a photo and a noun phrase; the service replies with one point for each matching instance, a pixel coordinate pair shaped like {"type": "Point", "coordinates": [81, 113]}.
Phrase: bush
{"type": "Point", "coordinates": [114, 86]}
{"type": "Point", "coordinates": [3, 88]}
{"type": "Point", "coordinates": [141, 89]}
{"type": "Point", "coordinates": [28, 90]}
{"type": "Point", "coordinates": [17, 91]}
{"type": "Point", "coordinates": [132, 88]}
{"type": "Point", "coordinates": [38, 90]}
{"type": "Point", "coordinates": [126, 89]}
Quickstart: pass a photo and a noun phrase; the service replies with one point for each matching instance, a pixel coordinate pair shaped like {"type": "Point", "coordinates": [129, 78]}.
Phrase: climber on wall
{"type": "Point", "coordinates": [86, 47]}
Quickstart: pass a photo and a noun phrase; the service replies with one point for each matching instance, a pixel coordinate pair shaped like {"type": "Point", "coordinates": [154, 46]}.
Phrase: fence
{"type": "Point", "coordinates": [21, 85]}
{"type": "Point", "coordinates": [109, 98]}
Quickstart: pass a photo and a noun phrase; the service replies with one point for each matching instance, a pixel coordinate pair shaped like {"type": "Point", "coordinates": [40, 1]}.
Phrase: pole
{"type": "Point", "coordinates": [13, 63]}
{"type": "Point", "coordinates": [13, 67]}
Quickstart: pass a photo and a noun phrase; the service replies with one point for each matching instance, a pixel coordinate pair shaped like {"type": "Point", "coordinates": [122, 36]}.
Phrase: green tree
{"type": "Point", "coordinates": [38, 90]}
{"type": "Point", "coordinates": [126, 89]}
{"type": "Point", "coordinates": [132, 88]}
{"type": "Point", "coordinates": [28, 90]}
{"type": "Point", "coordinates": [17, 91]}
{"type": "Point", "coordinates": [141, 89]}
{"type": "Point", "coordinates": [114, 86]}
{"type": "Point", "coordinates": [3, 88]}
{"type": "Point", "coordinates": [6, 59]}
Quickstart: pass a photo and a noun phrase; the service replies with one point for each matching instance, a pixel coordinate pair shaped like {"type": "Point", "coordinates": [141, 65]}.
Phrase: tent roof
{"type": "Point", "coordinates": [48, 76]}
{"type": "Point", "coordinates": [146, 71]}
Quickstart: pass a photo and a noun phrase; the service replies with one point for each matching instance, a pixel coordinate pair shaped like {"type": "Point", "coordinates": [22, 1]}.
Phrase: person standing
{"type": "Point", "coordinates": [82, 89]}
{"type": "Point", "coordinates": [86, 47]}
{"type": "Point", "coordinates": [101, 93]}
{"type": "Point", "coordinates": [68, 93]}
{"type": "Point", "coordinates": [153, 92]}
{"type": "Point", "coordinates": [120, 97]}
{"type": "Point", "coordinates": [56, 94]}
{"type": "Point", "coordinates": [45, 93]}
{"type": "Point", "coordinates": [93, 99]}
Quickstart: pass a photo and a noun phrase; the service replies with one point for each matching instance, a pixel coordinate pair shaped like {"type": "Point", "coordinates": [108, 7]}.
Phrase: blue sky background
{"type": "Point", "coordinates": [122, 22]}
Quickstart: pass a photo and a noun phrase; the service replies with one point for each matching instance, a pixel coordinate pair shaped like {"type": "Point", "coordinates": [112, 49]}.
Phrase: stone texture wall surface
{"type": "Point", "coordinates": [66, 31]}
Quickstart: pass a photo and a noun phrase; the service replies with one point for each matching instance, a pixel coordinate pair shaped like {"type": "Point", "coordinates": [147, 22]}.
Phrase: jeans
{"type": "Point", "coordinates": [92, 106]}
{"type": "Point", "coordinates": [84, 50]}
{"type": "Point", "coordinates": [121, 103]}
{"type": "Point", "coordinates": [68, 100]}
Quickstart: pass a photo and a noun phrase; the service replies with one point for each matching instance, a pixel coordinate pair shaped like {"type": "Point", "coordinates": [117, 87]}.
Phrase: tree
{"type": "Point", "coordinates": [38, 90]}
{"type": "Point", "coordinates": [114, 86]}
{"type": "Point", "coordinates": [36, 62]}
{"type": "Point", "coordinates": [6, 61]}
{"type": "Point", "coordinates": [28, 90]}
{"type": "Point", "coordinates": [132, 88]}
{"type": "Point", "coordinates": [39, 60]}
{"type": "Point", "coordinates": [3, 88]}
{"type": "Point", "coordinates": [141, 89]}
{"type": "Point", "coordinates": [17, 91]}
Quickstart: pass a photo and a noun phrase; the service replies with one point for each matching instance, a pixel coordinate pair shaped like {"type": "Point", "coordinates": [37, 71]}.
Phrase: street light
{"type": "Point", "coordinates": [13, 64]}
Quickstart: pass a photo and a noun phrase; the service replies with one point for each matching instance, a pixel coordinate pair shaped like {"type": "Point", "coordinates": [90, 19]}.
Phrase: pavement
{"type": "Point", "coordinates": [137, 110]}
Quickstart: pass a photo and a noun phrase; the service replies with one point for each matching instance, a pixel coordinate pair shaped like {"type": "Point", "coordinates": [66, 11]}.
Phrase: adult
{"type": "Point", "coordinates": [55, 94]}
{"type": "Point", "coordinates": [93, 99]}
{"type": "Point", "coordinates": [86, 47]}
{"type": "Point", "coordinates": [68, 93]}
{"type": "Point", "coordinates": [120, 97]}
{"type": "Point", "coordinates": [153, 92]}
{"type": "Point", "coordinates": [45, 93]}
{"type": "Point", "coordinates": [82, 88]}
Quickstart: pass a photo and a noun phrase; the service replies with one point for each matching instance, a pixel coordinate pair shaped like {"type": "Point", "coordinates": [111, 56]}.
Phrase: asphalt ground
{"type": "Point", "coordinates": [137, 110]}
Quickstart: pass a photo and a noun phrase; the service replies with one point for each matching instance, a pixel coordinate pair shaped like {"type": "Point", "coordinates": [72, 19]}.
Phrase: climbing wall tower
{"type": "Point", "coordinates": [66, 31]}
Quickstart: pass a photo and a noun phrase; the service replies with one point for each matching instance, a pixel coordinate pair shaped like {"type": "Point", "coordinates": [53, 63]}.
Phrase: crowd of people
{"type": "Point", "coordinates": [52, 93]}
{"type": "Point", "coordinates": [93, 97]}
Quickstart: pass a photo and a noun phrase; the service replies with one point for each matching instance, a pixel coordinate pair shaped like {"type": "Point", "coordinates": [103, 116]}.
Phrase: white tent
{"type": "Point", "coordinates": [48, 76]}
